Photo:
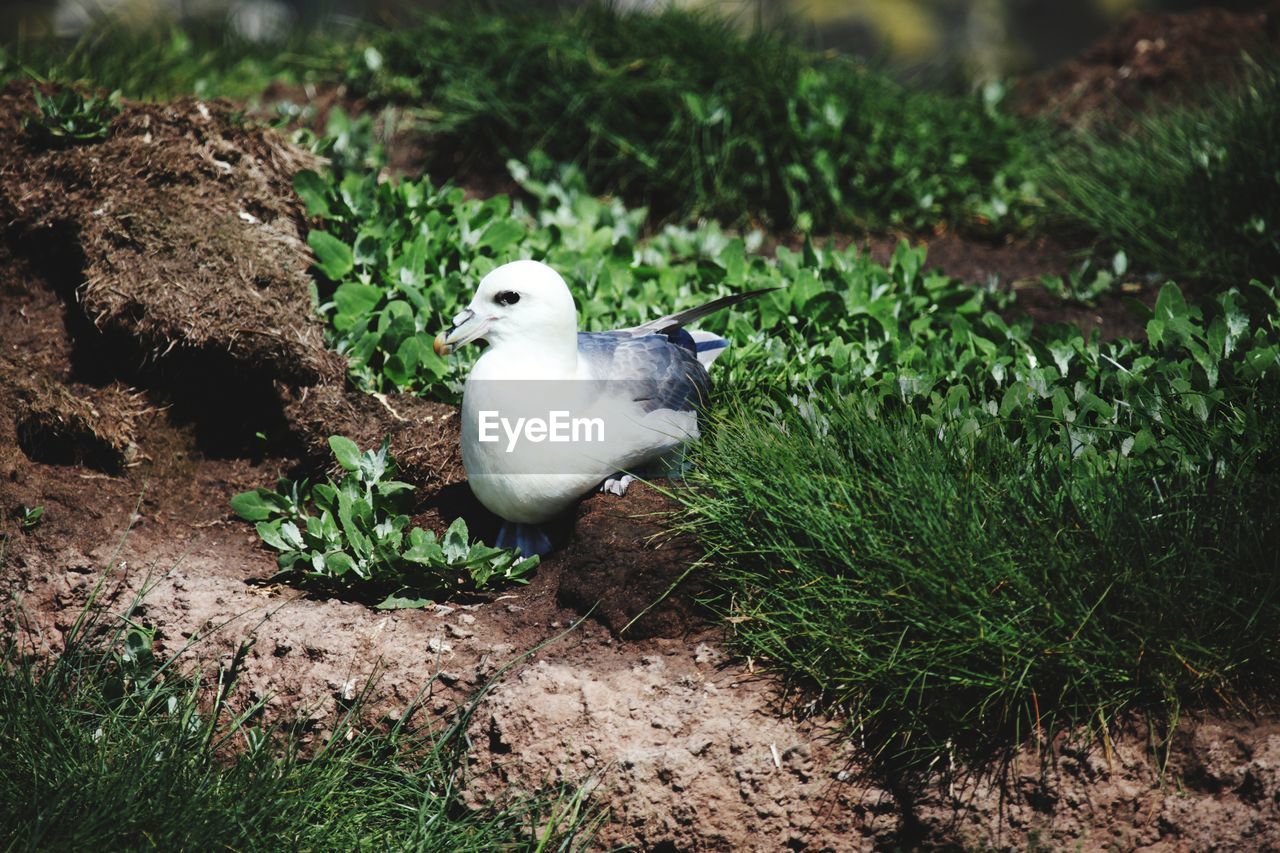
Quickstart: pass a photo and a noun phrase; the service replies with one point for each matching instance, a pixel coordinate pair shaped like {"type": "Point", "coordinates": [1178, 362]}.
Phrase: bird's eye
{"type": "Point", "coordinates": [507, 297]}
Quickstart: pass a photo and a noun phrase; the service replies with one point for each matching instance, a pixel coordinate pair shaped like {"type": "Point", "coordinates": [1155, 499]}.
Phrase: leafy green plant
{"type": "Point", "coordinates": [68, 117]}
{"type": "Point", "coordinates": [30, 516]}
{"type": "Point", "coordinates": [681, 112]}
{"type": "Point", "coordinates": [352, 536]}
{"type": "Point", "coordinates": [400, 258]}
{"type": "Point", "coordinates": [350, 143]}
{"type": "Point", "coordinates": [894, 335]}
{"type": "Point", "coordinates": [1089, 280]}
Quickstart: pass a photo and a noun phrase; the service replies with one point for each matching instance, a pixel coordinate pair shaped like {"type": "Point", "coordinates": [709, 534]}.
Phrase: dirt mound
{"type": "Point", "coordinates": [630, 571]}
{"type": "Point", "coordinates": [424, 435]}
{"type": "Point", "coordinates": [1149, 57]}
{"type": "Point", "coordinates": [72, 423]}
{"type": "Point", "coordinates": [179, 230]}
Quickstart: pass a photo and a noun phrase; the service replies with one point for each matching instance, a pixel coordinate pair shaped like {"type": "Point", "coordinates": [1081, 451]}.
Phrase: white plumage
{"type": "Point", "coordinates": [641, 386]}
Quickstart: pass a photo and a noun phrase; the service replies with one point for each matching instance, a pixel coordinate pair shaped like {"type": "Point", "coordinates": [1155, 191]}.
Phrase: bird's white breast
{"type": "Point", "coordinates": [533, 481]}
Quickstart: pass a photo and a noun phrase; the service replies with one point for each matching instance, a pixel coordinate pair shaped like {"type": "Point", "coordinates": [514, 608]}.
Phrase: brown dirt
{"type": "Point", "coordinates": [1149, 58]}
{"type": "Point", "coordinates": [689, 748]}
{"type": "Point", "coordinates": [58, 422]}
{"type": "Point", "coordinates": [182, 228]}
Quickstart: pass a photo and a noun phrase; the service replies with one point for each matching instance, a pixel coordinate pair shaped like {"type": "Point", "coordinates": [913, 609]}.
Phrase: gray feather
{"type": "Point", "coordinates": [653, 372]}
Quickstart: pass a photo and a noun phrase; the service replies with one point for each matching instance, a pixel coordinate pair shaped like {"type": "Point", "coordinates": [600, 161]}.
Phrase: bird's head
{"type": "Point", "coordinates": [525, 301]}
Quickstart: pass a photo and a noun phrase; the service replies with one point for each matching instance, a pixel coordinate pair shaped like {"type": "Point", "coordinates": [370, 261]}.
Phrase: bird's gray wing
{"type": "Point", "coordinates": [652, 371]}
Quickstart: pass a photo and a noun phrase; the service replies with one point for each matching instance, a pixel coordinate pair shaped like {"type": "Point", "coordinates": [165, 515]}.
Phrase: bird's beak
{"type": "Point", "coordinates": [467, 327]}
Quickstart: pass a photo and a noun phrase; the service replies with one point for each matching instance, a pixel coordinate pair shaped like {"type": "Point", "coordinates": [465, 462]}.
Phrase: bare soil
{"type": "Point", "coordinates": [1151, 59]}
{"type": "Point", "coordinates": [136, 398]}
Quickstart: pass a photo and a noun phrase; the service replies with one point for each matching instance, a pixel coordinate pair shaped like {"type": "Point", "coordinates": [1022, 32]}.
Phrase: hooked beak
{"type": "Point", "coordinates": [467, 327]}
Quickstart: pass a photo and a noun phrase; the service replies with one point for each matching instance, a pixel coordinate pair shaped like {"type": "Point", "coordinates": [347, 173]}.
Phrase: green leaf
{"type": "Point", "coordinates": [355, 300]}
{"type": "Point", "coordinates": [1155, 331]}
{"type": "Point", "coordinates": [338, 563]}
{"type": "Point", "coordinates": [270, 533]}
{"type": "Point", "coordinates": [346, 452]}
{"type": "Point", "coordinates": [389, 488]}
{"type": "Point", "coordinates": [256, 505]}
{"type": "Point", "coordinates": [324, 495]}
{"type": "Point", "coordinates": [424, 549]}
{"type": "Point", "coordinates": [397, 601]}
{"type": "Point", "coordinates": [519, 570]}
{"type": "Point", "coordinates": [1143, 440]}
{"type": "Point", "coordinates": [291, 536]}
{"type": "Point", "coordinates": [1013, 398]}
{"type": "Point", "coordinates": [733, 258]}
{"type": "Point", "coordinates": [333, 257]}
{"type": "Point", "coordinates": [1169, 304]}
{"type": "Point", "coordinates": [314, 192]}
{"type": "Point", "coordinates": [455, 543]}
{"type": "Point", "coordinates": [501, 235]}
{"type": "Point", "coordinates": [1062, 353]}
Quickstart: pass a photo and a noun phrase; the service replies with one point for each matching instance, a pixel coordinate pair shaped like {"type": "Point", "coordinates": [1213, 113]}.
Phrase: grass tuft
{"type": "Point", "coordinates": [1193, 193]}
{"type": "Point", "coordinates": [961, 594]}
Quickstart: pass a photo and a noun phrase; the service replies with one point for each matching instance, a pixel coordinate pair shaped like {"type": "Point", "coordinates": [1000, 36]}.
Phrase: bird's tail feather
{"type": "Point", "coordinates": [708, 346]}
{"type": "Point", "coordinates": [688, 315]}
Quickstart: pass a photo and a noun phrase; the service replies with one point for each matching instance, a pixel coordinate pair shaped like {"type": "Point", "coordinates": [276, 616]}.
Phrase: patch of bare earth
{"type": "Point", "coordinates": [160, 354]}
{"type": "Point", "coordinates": [1150, 59]}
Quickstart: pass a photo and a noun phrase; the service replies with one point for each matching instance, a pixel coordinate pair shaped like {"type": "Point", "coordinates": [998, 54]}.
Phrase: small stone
{"type": "Point", "coordinates": [697, 744]}
{"type": "Point", "coordinates": [706, 654]}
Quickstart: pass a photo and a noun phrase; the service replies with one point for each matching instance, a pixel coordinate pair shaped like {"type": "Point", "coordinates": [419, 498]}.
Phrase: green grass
{"type": "Point", "coordinates": [166, 62]}
{"type": "Point", "coordinates": [105, 746]}
{"type": "Point", "coordinates": [1193, 193]}
{"type": "Point", "coordinates": [958, 583]}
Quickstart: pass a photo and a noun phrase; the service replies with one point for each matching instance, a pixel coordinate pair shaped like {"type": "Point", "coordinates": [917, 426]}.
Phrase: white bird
{"type": "Point", "coordinates": [550, 413]}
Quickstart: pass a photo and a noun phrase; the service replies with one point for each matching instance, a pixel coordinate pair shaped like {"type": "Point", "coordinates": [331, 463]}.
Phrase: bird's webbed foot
{"type": "Point", "coordinates": [529, 539]}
